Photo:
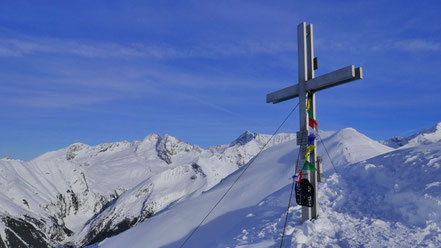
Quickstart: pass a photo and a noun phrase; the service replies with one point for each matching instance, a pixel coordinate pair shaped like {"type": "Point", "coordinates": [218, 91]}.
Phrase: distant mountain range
{"type": "Point", "coordinates": [427, 136]}
{"type": "Point", "coordinates": [377, 197]}
{"type": "Point", "coordinates": [82, 194]}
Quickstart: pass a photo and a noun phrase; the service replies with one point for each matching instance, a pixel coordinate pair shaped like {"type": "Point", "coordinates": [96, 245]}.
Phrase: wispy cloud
{"type": "Point", "coordinates": [71, 87]}
{"type": "Point", "coordinates": [33, 45]}
{"type": "Point", "coordinates": [391, 104]}
{"type": "Point", "coordinates": [48, 99]}
{"type": "Point", "coordinates": [418, 45]}
{"type": "Point", "coordinates": [408, 45]}
{"type": "Point", "coordinates": [10, 47]}
{"type": "Point", "coordinates": [358, 44]}
{"type": "Point", "coordinates": [60, 100]}
{"type": "Point", "coordinates": [244, 48]}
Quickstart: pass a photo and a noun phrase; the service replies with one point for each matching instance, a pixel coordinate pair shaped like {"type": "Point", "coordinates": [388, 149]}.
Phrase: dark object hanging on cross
{"type": "Point", "coordinates": [304, 193]}
{"type": "Point", "coordinates": [305, 90]}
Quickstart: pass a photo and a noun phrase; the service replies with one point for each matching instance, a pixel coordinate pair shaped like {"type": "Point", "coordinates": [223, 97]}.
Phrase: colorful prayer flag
{"type": "Point", "coordinates": [308, 150]}
{"type": "Point", "coordinates": [311, 136]}
{"type": "Point", "coordinates": [308, 166]}
{"type": "Point", "coordinates": [311, 139]}
{"type": "Point", "coordinates": [312, 123]}
{"type": "Point", "coordinates": [299, 177]}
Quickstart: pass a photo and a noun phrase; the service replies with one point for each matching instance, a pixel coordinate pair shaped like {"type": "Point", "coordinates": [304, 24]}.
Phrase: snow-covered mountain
{"type": "Point", "coordinates": [348, 146]}
{"type": "Point", "coordinates": [426, 136]}
{"type": "Point", "coordinates": [82, 194]}
{"type": "Point", "coordinates": [390, 199]}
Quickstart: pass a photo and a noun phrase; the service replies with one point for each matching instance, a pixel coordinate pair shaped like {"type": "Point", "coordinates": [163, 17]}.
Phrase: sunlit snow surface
{"type": "Point", "coordinates": [85, 189]}
{"type": "Point", "coordinates": [390, 200]}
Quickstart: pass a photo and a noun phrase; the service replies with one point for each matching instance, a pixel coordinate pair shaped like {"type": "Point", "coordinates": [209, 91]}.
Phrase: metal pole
{"type": "Point", "coordinates": [303, 76]}
{"type": "Point", "coordinates": [311, 97]}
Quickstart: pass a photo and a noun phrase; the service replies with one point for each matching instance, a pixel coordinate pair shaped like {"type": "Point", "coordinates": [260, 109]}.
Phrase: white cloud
{"type": "Point", "coordinates": [33, 45]}
{"type": "Point", "coordinates": [70, 82]}
{"type": "Point", "coordinates": [418, 45]}
{"type": "Point", "coordinates": [51, 99]}
{"type": "Point", "coordinates": [22, 47]}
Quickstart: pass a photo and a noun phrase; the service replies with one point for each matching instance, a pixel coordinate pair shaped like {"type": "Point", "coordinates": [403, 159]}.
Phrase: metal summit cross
{"type": "Point", "coordinates": [304, 90]}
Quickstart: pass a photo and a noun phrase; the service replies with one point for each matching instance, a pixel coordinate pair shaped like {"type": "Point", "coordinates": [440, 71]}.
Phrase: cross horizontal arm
{"type": "Point", "coordinates": [283, 94]}
{"type": "Point", "coordinates": [344, 75]}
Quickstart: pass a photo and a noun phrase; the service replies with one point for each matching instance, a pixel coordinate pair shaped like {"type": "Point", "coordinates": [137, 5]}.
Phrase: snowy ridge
{"type": "Point", "coordinates": [392, 199]}
{"type": "Point", "coordinates": [349, 146]}
{"type": "Point", "coordinates": [81, 194]}
{"type": "Point", "coordinates": [426, 136]}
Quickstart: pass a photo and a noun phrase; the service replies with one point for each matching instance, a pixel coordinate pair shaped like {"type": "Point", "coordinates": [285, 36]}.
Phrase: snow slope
{"type": "Point", "coordinates": [389, 200]}
{"type": "Point", "coordinates": [392, 200]}
{"type": "Point", "coordinates": [348, 146]}
{"type": "Point", "coordinates": [176, 222]}
{"type": "Point", "coordinates": [81, 194]}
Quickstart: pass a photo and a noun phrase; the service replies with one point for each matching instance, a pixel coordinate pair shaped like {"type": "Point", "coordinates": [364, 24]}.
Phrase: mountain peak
{"type": "Point", "coordinates": [434, 129]}
{"type": "Point", "coordinates": [426, 136]}
{"type": "Point", "coordinates": [244, 138]}
{"type": "Point", "coordinates": [76, 146]}
{"type": "Point", "coordinates": [153, 137]}
{"type": "Point", "coordinates": [74, 149]}
{"type": "Point", "coordinates": [169, 146]}
{"type": "Point", "coordinates": [347, 132]}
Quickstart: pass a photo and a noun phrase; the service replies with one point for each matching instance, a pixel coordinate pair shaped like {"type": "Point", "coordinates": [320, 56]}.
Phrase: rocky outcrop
{"type": "Point", "coordinates": [24, 232]}
{"type": "Point", "coordinates": [169, 146]}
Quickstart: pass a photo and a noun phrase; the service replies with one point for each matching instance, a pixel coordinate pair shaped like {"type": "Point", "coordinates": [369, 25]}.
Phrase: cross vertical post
{"type": "Point", "coordinates": [306, 72]}
{"type": "Point", "coordinates": [305, 90]}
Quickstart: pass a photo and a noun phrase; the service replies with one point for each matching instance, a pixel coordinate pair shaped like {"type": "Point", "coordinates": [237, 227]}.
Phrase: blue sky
{"type": "Point", "coordinates": [105, 71]}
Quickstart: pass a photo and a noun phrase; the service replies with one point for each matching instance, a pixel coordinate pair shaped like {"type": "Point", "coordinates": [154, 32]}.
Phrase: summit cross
{"type": "Point", "coordinates": [306, 87]}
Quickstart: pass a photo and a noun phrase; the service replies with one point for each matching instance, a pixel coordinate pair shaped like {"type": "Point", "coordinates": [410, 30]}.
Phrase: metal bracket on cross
{"type": "Point", "coordinates": [320, 175]}
{"type": "Point", "coordinates": [302, 138]}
